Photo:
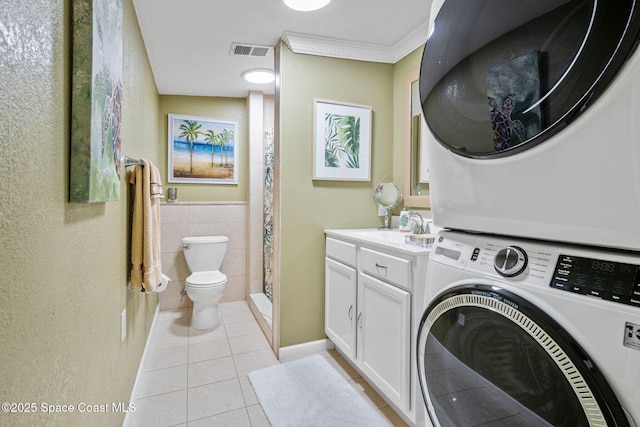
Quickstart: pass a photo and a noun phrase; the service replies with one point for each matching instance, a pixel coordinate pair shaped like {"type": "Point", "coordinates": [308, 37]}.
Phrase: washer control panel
{"type": "Point", "coordinates": [608, 275]}
{"type": "Point", "coordinates": [613, 281]}
{"type": "Point", "coordinates": [510, 261]}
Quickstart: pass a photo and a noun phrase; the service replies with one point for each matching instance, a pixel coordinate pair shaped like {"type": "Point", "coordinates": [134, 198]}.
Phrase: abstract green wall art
{"type": "Point", "coordinates": [342, 141]}
{"type": "Point", "coordinates": [96, 101]}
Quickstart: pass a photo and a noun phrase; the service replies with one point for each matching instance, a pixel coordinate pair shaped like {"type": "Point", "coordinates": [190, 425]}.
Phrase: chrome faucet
{"type": "Point", "coordinates": [420, 227]}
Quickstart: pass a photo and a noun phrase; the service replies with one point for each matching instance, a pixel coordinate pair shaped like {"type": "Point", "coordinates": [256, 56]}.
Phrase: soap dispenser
{"type": "Point", "coordinates": [404, 219]}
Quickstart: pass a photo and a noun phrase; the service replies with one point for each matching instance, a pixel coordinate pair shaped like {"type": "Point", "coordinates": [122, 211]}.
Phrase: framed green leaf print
{"type": "Point", "coordinates": [342, 141]}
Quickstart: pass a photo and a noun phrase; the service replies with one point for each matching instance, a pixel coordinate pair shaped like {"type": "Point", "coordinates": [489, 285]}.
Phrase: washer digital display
{"type": "Point", "coordinates": [609, 280]}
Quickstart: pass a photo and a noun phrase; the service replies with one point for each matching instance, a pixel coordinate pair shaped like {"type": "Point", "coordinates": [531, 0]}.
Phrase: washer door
{"type": "Point", "coordinates": [500, 76]}
{"type": "Point", "coordinates": [488, 357]}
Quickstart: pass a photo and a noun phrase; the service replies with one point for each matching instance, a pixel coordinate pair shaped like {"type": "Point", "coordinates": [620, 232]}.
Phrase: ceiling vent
{"type": "Point", "coordinates": [243, 49]}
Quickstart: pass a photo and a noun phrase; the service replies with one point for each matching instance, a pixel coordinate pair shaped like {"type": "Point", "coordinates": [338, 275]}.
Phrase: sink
{"type": "Point", "coordinates": [389, 236]}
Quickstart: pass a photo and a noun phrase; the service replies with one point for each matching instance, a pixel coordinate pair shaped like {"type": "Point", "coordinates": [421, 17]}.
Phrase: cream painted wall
{"type": "Point", "coordinates": [64, 264]}
{"type": "Point", "coordinates": [233, 109]}
{"type": "Point", "coordinates": [308, 207]}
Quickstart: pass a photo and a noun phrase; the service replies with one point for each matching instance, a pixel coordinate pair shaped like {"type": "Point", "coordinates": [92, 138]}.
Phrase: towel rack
{"type": "Point", "coordinates": [128, 161]}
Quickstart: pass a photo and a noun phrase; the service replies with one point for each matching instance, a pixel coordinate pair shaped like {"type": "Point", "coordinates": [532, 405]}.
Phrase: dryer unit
{"type": "Point", "coordinates": [534, 114]}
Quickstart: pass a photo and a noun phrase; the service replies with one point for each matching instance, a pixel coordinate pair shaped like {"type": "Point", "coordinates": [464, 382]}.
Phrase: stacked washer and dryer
{"type": "Point", "coordinates": [532, 306]}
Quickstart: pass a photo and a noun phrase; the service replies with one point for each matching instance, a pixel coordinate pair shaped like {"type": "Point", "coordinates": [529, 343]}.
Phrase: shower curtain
{"type": "Point", "coordinates": [269, 163]}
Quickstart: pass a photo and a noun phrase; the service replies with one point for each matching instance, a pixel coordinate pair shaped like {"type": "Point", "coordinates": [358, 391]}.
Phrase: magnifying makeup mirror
{"type": "Point", "coordinates": [387, 196]}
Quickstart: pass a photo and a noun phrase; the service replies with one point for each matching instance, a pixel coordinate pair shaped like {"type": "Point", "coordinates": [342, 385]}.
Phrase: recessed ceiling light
{"type": "Point", "coordinates": [259, 75]}
{"type": "Point", "coordinates": [306, 5]}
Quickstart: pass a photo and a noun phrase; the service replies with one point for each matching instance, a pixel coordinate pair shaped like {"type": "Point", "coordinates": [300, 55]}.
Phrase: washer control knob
{"type": "Point", "coordinates": [511, 261]}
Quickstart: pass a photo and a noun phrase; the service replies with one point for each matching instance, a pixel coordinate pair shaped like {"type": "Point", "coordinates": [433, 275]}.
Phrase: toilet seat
{"type": "Point", "coordinates": [207, 279]}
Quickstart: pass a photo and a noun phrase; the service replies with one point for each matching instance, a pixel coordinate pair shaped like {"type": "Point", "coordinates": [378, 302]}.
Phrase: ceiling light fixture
{"type": "Point", "coordinates": [306, 5]}
{"type": "Point", "coordinates": [259, 75]}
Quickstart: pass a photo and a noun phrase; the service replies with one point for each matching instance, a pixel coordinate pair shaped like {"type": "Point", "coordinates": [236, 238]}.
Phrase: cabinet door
{"type": "Point", "coordinates": [340, 306]}
{"type": "Point", "coordinates": [384, 347]}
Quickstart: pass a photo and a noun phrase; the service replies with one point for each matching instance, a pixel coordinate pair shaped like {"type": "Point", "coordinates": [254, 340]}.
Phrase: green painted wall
{"type": "Point", "coordinates": [407, 64]}
{"type": "Point", "coordinates": [308, 207]}
{"type": "Point", "coordinates": [233, 109]}
{"type": "Point", "coordinates": [63, 264]}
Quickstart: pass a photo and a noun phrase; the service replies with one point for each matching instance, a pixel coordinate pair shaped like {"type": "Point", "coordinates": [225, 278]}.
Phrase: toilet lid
{"type": "Point", "coordinates": [207, 278]}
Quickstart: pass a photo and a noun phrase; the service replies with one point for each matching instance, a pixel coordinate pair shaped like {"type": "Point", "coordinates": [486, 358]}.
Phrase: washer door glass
{"type": "Point", "coordinates": [485, 356]}
{"type": "Point", "coordinates": [500, 76]}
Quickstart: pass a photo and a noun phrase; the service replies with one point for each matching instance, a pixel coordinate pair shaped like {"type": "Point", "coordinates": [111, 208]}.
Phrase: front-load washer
{"type": "Point", "coordinates": [527, 333]}
{"type": "Point", "coordinates": [533, 109]}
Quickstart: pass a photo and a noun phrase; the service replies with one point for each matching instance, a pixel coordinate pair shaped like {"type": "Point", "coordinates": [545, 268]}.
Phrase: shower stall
{"type": "Point", "coordinates": [264, 300]}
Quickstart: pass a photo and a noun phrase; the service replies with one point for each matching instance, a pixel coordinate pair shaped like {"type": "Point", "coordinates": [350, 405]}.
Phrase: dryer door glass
{"type": "Point", "coordinates": [485, 357]}
{"type": "Point", "coordinates": [500, 76]}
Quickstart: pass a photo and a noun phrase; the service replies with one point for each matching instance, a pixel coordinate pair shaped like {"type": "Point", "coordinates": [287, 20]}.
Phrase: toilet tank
{"type": "Point", "coordinates": [204, 253]}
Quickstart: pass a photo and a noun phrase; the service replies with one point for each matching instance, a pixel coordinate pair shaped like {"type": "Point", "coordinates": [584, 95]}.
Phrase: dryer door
{"type": "Point", "coordinates": [487, 357]}
{"type": "Point", "coordinates": [501, 76]}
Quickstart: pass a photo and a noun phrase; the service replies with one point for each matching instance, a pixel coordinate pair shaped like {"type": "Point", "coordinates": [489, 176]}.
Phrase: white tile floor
{"type": "Point", "coordinates": [199, 378]}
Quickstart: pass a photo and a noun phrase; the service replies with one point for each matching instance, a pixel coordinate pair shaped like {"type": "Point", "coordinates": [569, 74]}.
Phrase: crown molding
{"type": "Point", "coordinates": [414, 39]}
{"type": "Point", "coordinates": [337, 48]}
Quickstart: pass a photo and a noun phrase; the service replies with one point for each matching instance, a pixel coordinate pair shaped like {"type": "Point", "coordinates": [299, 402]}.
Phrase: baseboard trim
{"type": "Point", "coordinates": [304, 349]}
{"type": "Point", "coordinates": [127, 418]}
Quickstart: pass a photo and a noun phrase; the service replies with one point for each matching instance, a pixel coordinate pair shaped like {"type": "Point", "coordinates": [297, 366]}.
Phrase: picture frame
{"type": "Point", "coordinates": [202, 150]}
{"type": "Point", "coordinates": [342, 141]}
{"type": "Point", "coordinates": [96, 101]}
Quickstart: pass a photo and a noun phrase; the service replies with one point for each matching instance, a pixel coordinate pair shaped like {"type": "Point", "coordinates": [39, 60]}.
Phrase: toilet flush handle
{"type": "Point", "coordinates": [186, 246]}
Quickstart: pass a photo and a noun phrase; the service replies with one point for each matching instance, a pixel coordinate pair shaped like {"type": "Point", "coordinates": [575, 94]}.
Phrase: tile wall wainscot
{"type": "Point", "coordinates": [182, 219]}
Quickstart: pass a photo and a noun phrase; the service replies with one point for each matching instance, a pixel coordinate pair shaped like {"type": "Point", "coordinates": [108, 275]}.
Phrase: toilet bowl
{"type": "Point", "coordinates": [205, 288]}
{"type": "Point", "coordinates": [206, 284]}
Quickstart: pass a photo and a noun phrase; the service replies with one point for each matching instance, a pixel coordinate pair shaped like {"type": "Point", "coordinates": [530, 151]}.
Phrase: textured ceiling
{"type": "Point", "coordinates": [188, 41]}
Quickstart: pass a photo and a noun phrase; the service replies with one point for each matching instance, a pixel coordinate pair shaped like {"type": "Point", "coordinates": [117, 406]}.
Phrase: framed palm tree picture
{"type": "Point", "coordinates": [202, 150]}
{"type": "Point", "coordinates": [342, 141]}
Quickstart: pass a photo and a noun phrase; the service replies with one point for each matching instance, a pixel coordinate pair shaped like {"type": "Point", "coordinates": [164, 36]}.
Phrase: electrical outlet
{"type": "Point", "coordinates": [123, 325]}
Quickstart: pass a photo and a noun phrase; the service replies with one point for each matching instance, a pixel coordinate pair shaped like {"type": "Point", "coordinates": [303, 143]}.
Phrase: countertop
{"type": "Point", "coordinates": [393, 239]}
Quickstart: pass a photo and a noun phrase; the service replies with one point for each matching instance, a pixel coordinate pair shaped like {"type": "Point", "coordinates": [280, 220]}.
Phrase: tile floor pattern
{"type": "Point", "coordinates": [199, 378]}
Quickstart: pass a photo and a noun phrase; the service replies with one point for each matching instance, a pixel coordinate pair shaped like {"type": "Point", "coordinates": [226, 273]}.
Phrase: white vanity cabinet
{"type": "Point", "coordinates": [383, 335]}
{"type": "Point", "coordinates": [340, 306]}
{"type": "Point", "coordinates": [368, 312]}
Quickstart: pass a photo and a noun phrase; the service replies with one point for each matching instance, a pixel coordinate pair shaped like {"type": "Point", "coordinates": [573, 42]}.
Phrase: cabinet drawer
{"type": "Point", "coordinates": [388, 267]}
{"type": "Point", "coordinates": [341, 251]}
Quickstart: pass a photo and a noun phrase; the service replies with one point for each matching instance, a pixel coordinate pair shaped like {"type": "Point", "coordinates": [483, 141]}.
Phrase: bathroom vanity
{"type": "Point", "coordinates": [374, 285]}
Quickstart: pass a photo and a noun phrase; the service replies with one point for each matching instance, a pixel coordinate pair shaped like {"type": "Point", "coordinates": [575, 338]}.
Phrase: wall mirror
{"type": "Point", "coordinates": [415, 168]}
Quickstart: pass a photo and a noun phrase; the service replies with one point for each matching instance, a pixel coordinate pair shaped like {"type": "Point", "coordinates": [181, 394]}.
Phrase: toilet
{"type": "Point", "coordinates": [205, 286]}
